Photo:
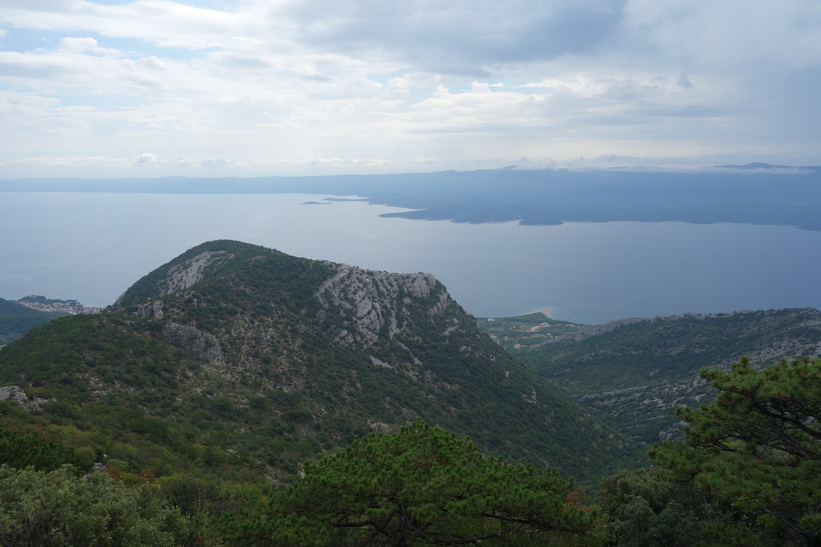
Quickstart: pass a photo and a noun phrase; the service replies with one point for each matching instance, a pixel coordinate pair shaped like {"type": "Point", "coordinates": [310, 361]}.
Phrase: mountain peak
{"type": "Point", "coordinates": [237, 337]}
{"type": "Point", "coordinates": [205, 260]}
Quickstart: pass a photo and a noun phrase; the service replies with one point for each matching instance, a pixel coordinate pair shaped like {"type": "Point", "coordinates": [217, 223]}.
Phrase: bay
{"type": "Point", "coordinates": [93, 246]}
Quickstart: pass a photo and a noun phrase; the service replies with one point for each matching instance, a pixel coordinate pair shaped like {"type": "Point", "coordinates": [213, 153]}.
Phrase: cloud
{"type": "Point", "coordinates": [216, 163]}
{"type": "Point", "coordinates": [163, 22]}
{"type": "Point", "coordinates": [147, 159]}
{"type": "Point", "coordinates": [462, 37]}
{"type": "Point", "coordinates": [731, 35]}
{"type": "Point", "coordinates": [255, 84]}
{"type": "Point", "coordinates": [53, 165]}
{"type": "Point", "coordinates": [78, 44]}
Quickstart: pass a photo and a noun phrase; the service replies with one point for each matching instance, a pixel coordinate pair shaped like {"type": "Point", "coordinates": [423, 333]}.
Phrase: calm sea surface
{"type": "Point", "coordinates": [91, 247]}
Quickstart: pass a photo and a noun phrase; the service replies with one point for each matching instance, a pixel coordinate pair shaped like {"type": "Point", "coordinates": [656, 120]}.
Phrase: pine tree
{"type": "Point", "coordinates": [423, 485]}
{"type": "Point", "coordinates": [758, 447]}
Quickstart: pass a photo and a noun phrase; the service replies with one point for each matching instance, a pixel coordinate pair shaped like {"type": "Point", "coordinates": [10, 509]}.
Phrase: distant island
{"type": "Point", "coordinates": [755, 193]}
{"type": "Point", "coordinates": [761, 165]}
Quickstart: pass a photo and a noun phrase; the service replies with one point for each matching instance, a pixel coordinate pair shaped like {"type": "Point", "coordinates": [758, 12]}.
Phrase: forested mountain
{"type": "Point", "coordinates": [241, 361]}
{"type": "Point", "coordinates": [638, 371]}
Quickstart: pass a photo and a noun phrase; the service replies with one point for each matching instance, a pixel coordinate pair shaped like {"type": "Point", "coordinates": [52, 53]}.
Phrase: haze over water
{"type": "Point", "coordinates": [93, 246]}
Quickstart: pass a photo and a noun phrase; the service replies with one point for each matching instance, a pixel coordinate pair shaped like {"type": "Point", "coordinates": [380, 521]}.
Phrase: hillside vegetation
{"type": "Point", "coordinates": [16, 320]}
{"type": "Point", "coordinates": [638, 371]}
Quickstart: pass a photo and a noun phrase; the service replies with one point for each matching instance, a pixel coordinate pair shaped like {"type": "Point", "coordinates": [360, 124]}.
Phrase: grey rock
{"type": "Point", "coordinates": [192, 270]}
{"type": "Point", "coordinates": [16, 394]}
{"type": "Point", "coordinates": [379, 299]}
{"type": "Point", "coordinates": [193, 342]}
{"type": "Point", "coordinates": [152, 308]}
{"type": "Point", "coordinates": [13, 393]}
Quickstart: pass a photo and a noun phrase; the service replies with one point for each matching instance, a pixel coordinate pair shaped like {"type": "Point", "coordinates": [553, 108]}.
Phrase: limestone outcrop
{"type": "Point", "coordinates": [193, 342]}
{"type": "Point", "coordinates": [379, 301]}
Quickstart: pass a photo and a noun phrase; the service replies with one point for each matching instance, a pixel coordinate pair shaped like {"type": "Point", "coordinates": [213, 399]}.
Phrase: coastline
{"type": "Point", "coordinates": [545, 310]}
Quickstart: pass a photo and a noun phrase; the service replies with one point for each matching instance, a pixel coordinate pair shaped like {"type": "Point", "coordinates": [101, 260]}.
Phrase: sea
{"type": "Point", "coordinates": [92, 246]}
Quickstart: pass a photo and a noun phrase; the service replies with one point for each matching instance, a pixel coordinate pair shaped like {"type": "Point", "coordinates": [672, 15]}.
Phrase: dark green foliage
{"type": "Point", "coordinates": [60, 353]}
{"type": "Point", "coordinates": [758, 447]}
{"type": "Point", "coordinates": [58, 508]}
{"type": "Point", "coordinates": [421, 486]}
{"type": "Point", "coordinates": [648, 507]}
{"type": "Point", "coordinates": [214, 508]}
{"type": "Point", "coordinates": [29, 449]}
{"type": "Point", "coordinates": [115, 374]}
{"type": "Point", "coordinates": [234, 258]}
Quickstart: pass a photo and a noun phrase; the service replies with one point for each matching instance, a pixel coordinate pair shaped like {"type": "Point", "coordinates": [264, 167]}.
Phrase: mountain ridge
{"type": "Point", "coordinates": [261, 359]}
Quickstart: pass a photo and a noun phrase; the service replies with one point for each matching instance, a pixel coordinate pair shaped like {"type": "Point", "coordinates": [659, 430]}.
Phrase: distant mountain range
{"type": "Point", "coordinates": [760, 165]}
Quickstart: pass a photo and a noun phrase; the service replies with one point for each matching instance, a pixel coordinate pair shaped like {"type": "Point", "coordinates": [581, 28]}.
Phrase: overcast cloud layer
{"type": "Point", "coordinates": [251, 87]}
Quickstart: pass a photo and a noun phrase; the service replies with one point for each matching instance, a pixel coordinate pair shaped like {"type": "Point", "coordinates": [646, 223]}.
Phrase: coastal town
{"type": "Point", "coordinates": [70, 307]}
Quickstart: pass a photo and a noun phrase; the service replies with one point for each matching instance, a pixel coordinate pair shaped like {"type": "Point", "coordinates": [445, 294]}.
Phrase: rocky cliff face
{"type": "Point", "coordinates": [17, 395]}
{"type": "Point", "coordinates": [379, 302]}
{"type": "Point", "coordinates": [183, 275]}
{"type": "Point", "coordinates": [193, 342]}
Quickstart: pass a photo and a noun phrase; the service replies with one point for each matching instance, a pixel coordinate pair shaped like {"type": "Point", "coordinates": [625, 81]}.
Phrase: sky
{"type": "Point", "coordinates": [201, 88]}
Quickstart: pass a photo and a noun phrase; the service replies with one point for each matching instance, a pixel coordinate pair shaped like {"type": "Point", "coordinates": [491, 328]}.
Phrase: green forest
{"type": "Point", "coordinates": [747, 472]}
